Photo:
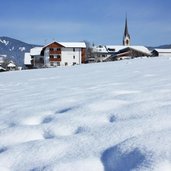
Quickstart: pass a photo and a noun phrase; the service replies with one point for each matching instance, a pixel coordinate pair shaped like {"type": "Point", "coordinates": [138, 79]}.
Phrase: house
{"type": "Point", "coordinates": [99, 53]}
{"type": "Point", "coordinates": [11, 66]}
{"type": "Point", "coordinates": [161, 52]}
{"type": "Point", "coordinates": [33, 59]}
{"type": "Point", "coordinates": [56, 54]}
{"type": "Point", "coordinates": [118, 52]}
{"type": "Point", "coordinates": [125, 52]}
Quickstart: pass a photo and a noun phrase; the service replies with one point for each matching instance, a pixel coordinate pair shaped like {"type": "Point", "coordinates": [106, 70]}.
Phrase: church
{"type": "Point", "coordinates": [104, 53]}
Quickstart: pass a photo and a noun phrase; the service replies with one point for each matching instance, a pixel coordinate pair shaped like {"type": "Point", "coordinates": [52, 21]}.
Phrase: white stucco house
{"type": "Point", "coordinates": [56, 54]}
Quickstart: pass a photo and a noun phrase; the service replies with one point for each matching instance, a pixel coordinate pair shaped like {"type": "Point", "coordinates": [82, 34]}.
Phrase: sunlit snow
{"type": "Point", "coordinates": [112, 116]}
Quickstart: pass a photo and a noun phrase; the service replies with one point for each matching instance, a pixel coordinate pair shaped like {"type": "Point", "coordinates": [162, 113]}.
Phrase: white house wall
{"type": "Point", "coordinates": [69, 57]}
{"type": "Point", "coordinates": [46, 57]}
{"type": "Point", "coordinates": [27, 59]}
{"type": "Point", "coordinates": [164, 54]}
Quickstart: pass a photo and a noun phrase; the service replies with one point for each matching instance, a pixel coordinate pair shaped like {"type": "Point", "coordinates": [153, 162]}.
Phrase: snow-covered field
{"type": "Point", "coordinates": [112, 116]}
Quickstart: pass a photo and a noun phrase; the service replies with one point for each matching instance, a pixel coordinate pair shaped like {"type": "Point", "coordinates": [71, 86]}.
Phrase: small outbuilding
{"type": "Point", "coordinates": [11, 66]}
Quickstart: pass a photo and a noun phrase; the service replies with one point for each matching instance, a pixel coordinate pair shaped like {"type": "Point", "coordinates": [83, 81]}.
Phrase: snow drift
{"type": "Point", "coordinates": [98, 117]}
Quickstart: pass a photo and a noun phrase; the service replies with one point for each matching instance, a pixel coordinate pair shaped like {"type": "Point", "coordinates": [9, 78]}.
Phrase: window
{"type": "Point", "coordinates": [74, 63]}
{"type": "Point", "coordinates": [66, 63]}
{"type": "Point", "coordinates": [58, 49]}
{"type": "Point", "coordinates": [58, 63]}
{"type": "Point", "coordinates": [51, 49]}
{"type": "Point", "coordinates": [51, 56]}
{"type": "Point", "coordinates": [74, 57]}
{"type": "Point", "coordinates": [51, 64]}
{"type": "Point", "coordinates": [73, 49]}
{"type": "Point", "coordinates": [58, 56]}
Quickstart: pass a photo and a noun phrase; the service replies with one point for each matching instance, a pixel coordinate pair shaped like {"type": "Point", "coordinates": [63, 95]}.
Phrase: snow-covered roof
{"type": "Point", "coordinates": [35, 51]}
{"type": "Point", "coordinates": [27, 59]}
{"type": "Point", "coordinates": [116, 47]}
{"type": "Point", "coordinates": [2, 69]}
{"type": "Point", "coordinates": [73, 44]}
{"type": "Point", "coordinates": [70, 44]}
{"type": "Point", "coordinates": [163, 50]}
{"type": "Point", "coordinates": [141, 48]}
{"type": "Point", "coordinates": [120, 47]}
{"type": "Point", "coordinates": [11, 65]}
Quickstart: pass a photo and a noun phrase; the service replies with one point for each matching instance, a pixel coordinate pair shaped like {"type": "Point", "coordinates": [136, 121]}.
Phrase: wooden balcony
{"type": "Point", "coordinates": [54, 59]}
{"type": "Point", "coordinates": [54, 52]}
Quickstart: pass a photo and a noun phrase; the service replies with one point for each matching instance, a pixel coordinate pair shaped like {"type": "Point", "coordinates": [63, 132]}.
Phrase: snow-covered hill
{"type": "Point", "coordinates": [14, 49]}
{"type": "Point", "coordinates": [97, 117]}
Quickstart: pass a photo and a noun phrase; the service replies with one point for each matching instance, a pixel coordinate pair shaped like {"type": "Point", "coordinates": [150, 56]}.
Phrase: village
{"type": "Point", "coordinates": [57, 54]}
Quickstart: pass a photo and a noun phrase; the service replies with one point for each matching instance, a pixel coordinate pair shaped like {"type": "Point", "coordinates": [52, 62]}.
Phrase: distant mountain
{"type": "Point", "coordinates": [160, 47]}
{"type": "Point", "coordinates": [14, 49]}
{"type": "Point", "coordinates": [164, 47]}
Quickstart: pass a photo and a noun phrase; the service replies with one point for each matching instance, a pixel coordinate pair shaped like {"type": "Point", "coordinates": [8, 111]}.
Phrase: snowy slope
{"type": "Point", "coordinates": [97, 117]}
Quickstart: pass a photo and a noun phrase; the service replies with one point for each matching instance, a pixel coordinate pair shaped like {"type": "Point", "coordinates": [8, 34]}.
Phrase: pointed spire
{"type": "Point", "coordinates": [126, 28]}
{"type": "Point", "coordinates": [126, 38]}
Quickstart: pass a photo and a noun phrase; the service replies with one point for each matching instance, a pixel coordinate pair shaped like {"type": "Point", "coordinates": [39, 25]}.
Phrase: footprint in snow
{"type": "Point", "coordinates": [47, 119]}
{"type": "Point", "coordinates": [3, 149]}
{"type": "Point", "coordinates": [48, 134]}
{"type": "Point", "coordinates": [65, 110]}
{"type": "Point", "coordinates": [112, 119]}
{"type": "Point", "coordinates": [80, 130]}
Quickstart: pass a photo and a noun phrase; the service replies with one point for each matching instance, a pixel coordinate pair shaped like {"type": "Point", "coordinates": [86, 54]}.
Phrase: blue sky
{"type": "Point", "coordinates": [96, 21]}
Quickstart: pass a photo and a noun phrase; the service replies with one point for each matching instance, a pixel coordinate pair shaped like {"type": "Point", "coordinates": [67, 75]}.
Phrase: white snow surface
{"type": "Point", "coordinates": [112, 116]}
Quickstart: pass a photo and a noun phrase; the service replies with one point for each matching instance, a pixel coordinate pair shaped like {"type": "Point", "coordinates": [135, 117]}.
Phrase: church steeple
{"type": "Point", "coordinates": [126, 37]}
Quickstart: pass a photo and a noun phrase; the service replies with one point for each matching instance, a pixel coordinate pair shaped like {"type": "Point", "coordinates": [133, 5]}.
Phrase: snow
{"type": "Point", "coordinates": [163, 50]}
{"type": "Point", "coordinates": [11, 65]}
{"type": "Point", "coordinates": [35, 51]}
{"type": "Point", "coordinates": [73, 44]}
{"type": "Point", "coordinates": [70, 44]}
{"type": "Point", "coordinates": [119, 47]}
{"type": "Point", "coordinates": [4, 42]}
{"type": "Point", "coordinates": [22, 49]}
{"type": "Point", "coordinates": [112, 116]}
